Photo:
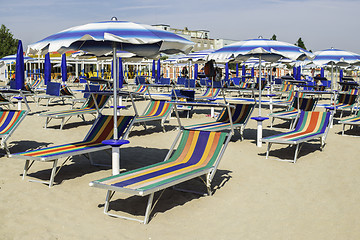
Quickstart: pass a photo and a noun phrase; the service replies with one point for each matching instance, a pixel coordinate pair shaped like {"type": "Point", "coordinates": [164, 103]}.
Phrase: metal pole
{"type": "Point", "coordinates": [115, 80]}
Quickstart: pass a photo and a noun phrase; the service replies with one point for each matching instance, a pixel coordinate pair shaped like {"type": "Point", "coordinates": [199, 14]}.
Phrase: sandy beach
{"type": "Point", "coordinates": [254, 198]}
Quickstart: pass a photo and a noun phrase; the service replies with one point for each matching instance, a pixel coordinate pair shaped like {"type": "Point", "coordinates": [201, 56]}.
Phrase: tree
{"type": "Point", "coordinates": [273, 37]}
{"type": "Point", "coordinates": [300, 43]}
{"type": "Point", "coordinates": [8, 44]}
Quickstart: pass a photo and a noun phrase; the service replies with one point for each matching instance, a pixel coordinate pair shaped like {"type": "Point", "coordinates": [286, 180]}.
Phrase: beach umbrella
{"type": "Point", "coordinates": [243, 72]}
{"type": "Point", "coordinates": [226, 71]}
{"type": "Point", "coordinates": [322, 72]}
{"type": "Point", "coordinates": [47, 69]}
{"type": "Point", "coordinates": [341, 74]}
{"type": "Point", "coordinates": [196, 70]}
{"type": "Point", "coordinates": [335, 57]}
{"type": "Point", "coordinates": [19, 67]}
{"type": "Point", "coordinates": [158, 72]}
{"type": "Point", "coordinates": [237, 70]}
{"type": "Point", "coordinates": [63, 68]}
{"type": "Point", "coordinates": [121, 73]}
{"type": "Point", "coordinates": [102, 38]}
{"type": "Point", "coordinates": [197, 57]}
{"type": "Point", "coordinates": [153, 70]}
{"type": "Point", "coordinates": [263, 49]}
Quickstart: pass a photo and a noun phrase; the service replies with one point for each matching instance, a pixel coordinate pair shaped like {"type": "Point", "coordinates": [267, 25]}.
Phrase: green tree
{"type": "Point", "coordinates": [300, 43]}
{"type": "Point", "coordinates": [273, 37]}
{"type": "Point", "coordinates": [8, 44]}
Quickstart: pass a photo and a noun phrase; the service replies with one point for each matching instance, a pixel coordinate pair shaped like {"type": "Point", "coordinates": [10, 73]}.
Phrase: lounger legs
{"type": "Point", "coordinates": [110, 194]}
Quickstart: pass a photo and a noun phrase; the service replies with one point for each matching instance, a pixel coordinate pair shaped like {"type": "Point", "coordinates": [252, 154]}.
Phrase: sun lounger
{"type": "Point", "coordinates": [89, 107]}
{"type": "Point", "coordinates": [240, 115]}
{"type": "Point", "coordinates": [9, 121]}
{"type": "Point", "coordinates": [157, 110]}
{"type": "Point", "coordinates": [305, 104]}
{"type": "Point", "coordinates": [210, 93]}
{"type": "Point", "coordinates": [311, 125]}
{"type": "Point", "coordinates": [198, 153]}
{"type": "Point", "coordinates": [101, 130]}
{"type": "Point", "coordinates": [345, 102]}
{"type": "Point", "coordinates": [352, 121]}
{"type": "Point", "coordinates": [53, 91]}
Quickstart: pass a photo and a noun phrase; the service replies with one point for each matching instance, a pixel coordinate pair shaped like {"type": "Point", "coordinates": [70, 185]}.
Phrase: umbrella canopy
{"type": "Point", "coordinates": [142, 40]}
{"type": "Point", "coordinates": [335, 57]}
{"type": "Point", "coordinates": [19, 68]}
{"type": "Point", "coordinates": [47, 69]}
{"type": "Point", "coordinates": [63, 68]}
{"type": "Point", "coordinates": [269, 50]}
{"type": "Point", "coordinates": [199, 56]}
{"type": "Point", "coordinates": [263, 49]}
{"type": "Point", "coordinates": [12, 59]}
{"type": "Point", "coordinates": [102, 38]}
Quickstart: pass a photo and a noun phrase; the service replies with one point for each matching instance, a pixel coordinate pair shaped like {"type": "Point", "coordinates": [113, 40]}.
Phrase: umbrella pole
{"type": "Point", "coordinates": [115, 149]}
{"type": "Point", "coordinates": [259, 123]}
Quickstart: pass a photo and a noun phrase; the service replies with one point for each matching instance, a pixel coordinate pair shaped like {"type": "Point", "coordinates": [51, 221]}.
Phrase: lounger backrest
{"type": "Point", "coordinates": [240, 114]}
{"type": "Point", "coordinates": [65, 91]}
{"type": "Point", "coordinates": [100, 100]}
{"type": "Point", "coordinates": [197, 150]}
{"type": "Point", "coordinates": [103, 128]}
{"type": "Point", "coordinates": [141, 89]}
{"type": "Point", "coordinates": [9, 119]}
{"type": "Point", "coordinates": [53, 88]}
{"type": "Point", "coordinates": [287, 86]}
{"type": "Point", "coordinates": [345, 98]}
{"type": "Point", "coordinates": [314, 122]}
{"type": "Point", "coordinates": [3, 99]}
{"type": "Point", "coordinates": [211, 92]}
{"type": "Point", "coordinates": [158, 108]}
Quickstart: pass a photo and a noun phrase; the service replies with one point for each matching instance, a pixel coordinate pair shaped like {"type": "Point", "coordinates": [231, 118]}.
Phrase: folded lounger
{"type": "Point", "coordinates": [240, 115]}
{"type": "Point", "coordinates": [198, 153]}
{"type": "Point", "coordinates": [9, 121]}
{"type": "Point", "coordinates": [311, 125]}
{"type": "Point", "coordinates": [156, 110]}
{"type": "Point", "coordinates": [305, 104]}
{"type": "Point", "coordinates": [352, 121]}
{"type": "Point", "coordinates": [89, 107]}
{"type": "Point", "coordinates": [101, 130]}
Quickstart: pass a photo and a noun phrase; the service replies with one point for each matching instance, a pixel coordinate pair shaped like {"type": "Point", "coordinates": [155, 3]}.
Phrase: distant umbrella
{"type": "Point", "coordinates": [63, 68]}
{"type": "Point", "coordinates": [19, 68]}
{"type": "Point", "coordinates": [121, 73]}
{"type": "Point", "coordinates": [196, 70]}
{"type": "Point", "coordinates": [47, 69]}
{"type": "Point", "coordinates": [158, 72]}
{"type": "Point", "coordinates": [153, 70]}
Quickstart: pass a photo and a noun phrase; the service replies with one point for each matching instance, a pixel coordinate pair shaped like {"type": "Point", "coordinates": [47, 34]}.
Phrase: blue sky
{"type": "Point", "coordinates": [320, 23]}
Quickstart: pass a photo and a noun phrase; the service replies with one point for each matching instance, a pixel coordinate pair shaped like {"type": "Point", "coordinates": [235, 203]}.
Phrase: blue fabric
{"type": "Point", "coordinates": [121, 74]}
{"type": "Point", "coordinates": [19, 68]}
{"type": "Point", "coordinates": [47, 69]}
{"type": "Point", "coordinates": [196, 70]}
{"type": "Point", "coordinates": [63, 68]}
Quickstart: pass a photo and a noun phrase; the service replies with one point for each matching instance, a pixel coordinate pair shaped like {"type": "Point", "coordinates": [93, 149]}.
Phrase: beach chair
{"type": "Point", "coordinates": [210, 93]}
{"type": "Point", "coordinates": [101, 130]}
{"type": "Point", "coordinates": [198, 153]}
{"type": "Point", "coordinates": [53, 91]}
{"type": "Point", "coordinates": [310, 125]}
{"type": "Point", "coordinates": [156, 110]}
{"type": "Point", "coordinates": [240, 116]}
{"type": "Point", "coordinates": [140, 91]}
{"type": "Point", "coordinates": [352, 121]}
{"type": "Point", "coordinates": [93, 105]}
{"type": "Point", "coordinates": [305, 104]}
{"type": "Point", "coordinates": [345, 102]}
{"type": "Point", "coordinates": [9, 121]}
{"type": "Point", "coordinates": [288, 101]}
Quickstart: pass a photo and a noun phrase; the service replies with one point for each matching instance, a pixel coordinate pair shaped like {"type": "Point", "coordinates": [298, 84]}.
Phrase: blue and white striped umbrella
{"type": "Point", "coordinates": [269, 50]}
{"type": "Point", "coordinates": [101, 37]}
{"type": "Point", "coordinates": [263, 49]}
{"type": "Point", "coordinates": [12, 59]}
{"type": "Point", "coordinates": [198, 56]}
{"type": "Point", "coordinates": [334, 56]}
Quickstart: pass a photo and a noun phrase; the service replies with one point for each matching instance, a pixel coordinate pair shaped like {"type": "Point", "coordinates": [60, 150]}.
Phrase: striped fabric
{"type": "Point", "coordinates": [36, 83]}
{"type": "Point", "coordinates": [305, 104]}
{"type": "Point", "coordinates": [88, 107]}
{"type": "Point", "coordinates": [65, 91]}
{"type": "Point", "coordinates": [345, 101]}
{"type": "Point", "coordinates": [240, 115]}
{"type": "Point", "coordinates": [352, 120]}
{"type": "Point", "coordinates": [286, 87]}
{"type": "Point", "coordinates": [141, 89]}
{"type": "Point", "coordinates": [197, 151]}
{"type": "Point", "coordinates": [288, 100]}
{"type": "Point", "coordinates": [9, 120]}
{"type": "Point", "coordinates": [209, 93]}
{"type": "Point", "coordinates": [353, 91]}
{"type": "Point", "coordinates": [158, 109]}
{"type": "Point", "coordinates": [310, 125]}
{"type": "Point", "coordinates": [101, 130]}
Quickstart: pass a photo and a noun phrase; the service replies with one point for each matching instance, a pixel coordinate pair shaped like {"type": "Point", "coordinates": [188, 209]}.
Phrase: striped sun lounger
{"type": "Point", "coordinates": [198, 154]}
{"type": "Point", "coordinates": [210, 93]}
{"type": "Point", "coordinates": [345, 102]}
{"type": "Point", "coordinates": [311, 125]}
{"type": "Point", "coordinates": [240, 115]}
{"type": "Point", "coordinates": [352, 121]}
{"type": "Point", "coordinates": [89, 107]}
{"type": "Point", "coordinates": [157, 110]}
{"type": "Point", "coordinates": [101, 130]}
{"type": "Point", "coordinates": [305, 104]}
{"type": "Point", "coordinates": [9, 121]}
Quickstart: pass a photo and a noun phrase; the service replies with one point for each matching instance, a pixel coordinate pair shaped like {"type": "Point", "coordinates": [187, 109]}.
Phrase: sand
{"type": "Point", "coordinates": [254, 198]}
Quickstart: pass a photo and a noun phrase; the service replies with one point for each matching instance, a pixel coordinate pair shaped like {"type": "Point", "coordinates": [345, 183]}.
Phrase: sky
{"type": "Point", "coordinates": [321, 24]}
